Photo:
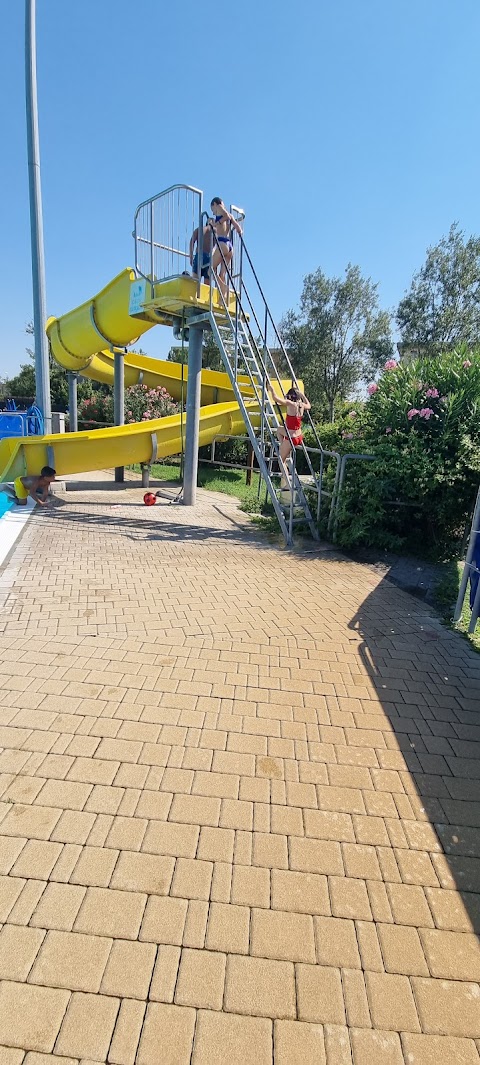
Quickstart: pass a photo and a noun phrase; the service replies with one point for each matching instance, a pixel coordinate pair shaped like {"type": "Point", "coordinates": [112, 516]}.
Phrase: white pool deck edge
{"type": "Point", "coordinates": [11, 525]}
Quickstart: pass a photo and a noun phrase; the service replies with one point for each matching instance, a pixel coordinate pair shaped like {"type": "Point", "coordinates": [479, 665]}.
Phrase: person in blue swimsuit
{"type": "Point", "coordinates": [222, 224]}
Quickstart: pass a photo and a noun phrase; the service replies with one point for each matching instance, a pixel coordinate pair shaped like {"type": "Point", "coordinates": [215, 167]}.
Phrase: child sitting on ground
{"type": "Point", "coordinates": [36, 487]}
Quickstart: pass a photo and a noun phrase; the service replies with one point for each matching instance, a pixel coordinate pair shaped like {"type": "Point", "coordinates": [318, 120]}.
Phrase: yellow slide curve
{"type": "Point", "coordinates": [74, 341]}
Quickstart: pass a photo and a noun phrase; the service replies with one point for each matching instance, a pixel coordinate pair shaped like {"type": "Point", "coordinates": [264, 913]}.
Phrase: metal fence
{"type": "Point", "coordinates": [163, 227]}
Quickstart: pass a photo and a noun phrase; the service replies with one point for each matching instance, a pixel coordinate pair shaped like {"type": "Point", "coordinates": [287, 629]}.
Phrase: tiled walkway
{"type": "Point", "coordinates": [239, 801]}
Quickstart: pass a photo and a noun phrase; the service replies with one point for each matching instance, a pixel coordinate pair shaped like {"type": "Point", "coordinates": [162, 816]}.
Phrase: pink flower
{"type": "Point", "coordinates": [426, 412]}
{"type": "Point", "coordinates": [388, 429]}
{"type": "Point", "coordinates": [466, 365]}
{"type": "Point", "coordinates": [433, 393]}
{"type": "Point", "coordinates": [391, 364]}
{"type": "Point", "coordinates": [372, 389]}
{"type": "Point", "coordinates": [352, 414]}
{"type": "Point", "coordinates": [412, 412]}
{"type": "Point", "coordinates": [347, 436]}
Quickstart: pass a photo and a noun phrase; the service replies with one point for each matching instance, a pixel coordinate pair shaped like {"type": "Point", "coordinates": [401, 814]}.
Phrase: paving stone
{"type": "Point", "coordinates": [32, 822]}
{"type": "Point", "coordinates": [195, 810]}
{"type": "Point", "coordinates": [143, 872]}
{"type": "Point", "coordinates": [123, 1047]}
{"type": "Point", "coordinates": [176, 1025]}
{"type": "Point", "coordinates": [30, 1017]}
{"type": "Point", "coordinates": [451, 955]}
{"type": "Point", "coordinates": [319, 994]}
{"type": "Point", "coordinates": [111, 913]}
{"type": "Point", "coordinates": [336, 942]}
{"type": "Point", "coordinates": [251, 886]}
{"type": "Point", "coordinates": [10, 1056]}
{"type": "Point", "coordinates": [392, 1006]}
{"type": "Point", "coordinates": [18, 950]}
{"type": "Point", "coordinates": [88, 1026]}
{"type": "Point", "coordinates": [298, 1043]}
{"type": "Point", "coordinates": [164, 921]}
{"type": "Point", "coordinates": [448, 1007]}
{"type": "Point", "coordinates": [94, 867]}
{"type": "Point", "coordinates": [228, 928]}
{"type": "Point", "coordinates": [129, 969]}
{"type": "Point", "coordinates": [402, 950]}
{"type": "Point", "coordinates": [166, 837]}
{"type": "Point", "coordinates": [192, 879]}
{"type": "Point", "coordinates": [226, 1037]}
{"type": "Point", "coordinates": [453, 910]}
{"type": "Point", "coordinates": [409, 905]}
{"type": "Point", "coordinates": [283, 935]}
{"type": "Point", "coordinates": [58, 907]}
{"type": "Point", "coordinates": [164, 977]}
{"type": "Point", "coordinates": [71, 960]}
{"type": "Point", "coordinates": [430, 1049]}
{"type": "Point", "coordinates": [260, 988]}
{"type": "Point", "coordinates": [315, 856]}
{"type": "Point", "coordinates": [376, 1048]}
{"type": "Point", "coordinates": [201, 979]}
{"type": "Point", "coordinates": [349, 898]}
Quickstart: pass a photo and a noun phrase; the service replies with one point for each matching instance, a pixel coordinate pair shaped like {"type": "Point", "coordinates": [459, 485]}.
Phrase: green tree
{"type": "Point", "coordinates": [442, 308]}
{"type": "Point", "coordinates": [211, 358]}
{"type": "Point", "coordinates": [339, 337]}
{"type": "Point", "coordinates": [22, 386]}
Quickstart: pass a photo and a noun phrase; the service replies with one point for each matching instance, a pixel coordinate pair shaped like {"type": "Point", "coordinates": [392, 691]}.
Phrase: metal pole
{"type": "Point", "coordinates": [474, 529]}
{"type": "Point", "coordinates": [42, 368]}
{"type": "Point", "coordinates": [119, 401]}
{"type": "Point", "coordinates": [193, 415]}
{"type": "Point", "coordinates": [72, 402]}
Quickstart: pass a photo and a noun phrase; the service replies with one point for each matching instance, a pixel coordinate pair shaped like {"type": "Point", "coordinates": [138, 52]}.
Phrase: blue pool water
{"type": "Point", "coordinates": [5, 503]}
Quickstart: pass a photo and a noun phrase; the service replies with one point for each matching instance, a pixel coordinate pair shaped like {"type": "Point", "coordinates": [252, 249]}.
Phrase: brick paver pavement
{"type": "Point", "coordinates": [238, 801]}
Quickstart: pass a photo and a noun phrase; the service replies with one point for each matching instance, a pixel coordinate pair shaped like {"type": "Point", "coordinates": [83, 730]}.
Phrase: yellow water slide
{"type": "Point", "coordinates": [75, 341]}
{"type": "Point", "coordinates": [101, 449]}
{"type": "Point", "coordinates": [82, 339]}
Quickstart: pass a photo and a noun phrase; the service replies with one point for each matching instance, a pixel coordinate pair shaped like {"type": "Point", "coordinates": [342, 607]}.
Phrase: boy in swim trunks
{"type": "Point", "coordinates": [35, 487]}
{"type": "Point", "coordinates": [206, 253]}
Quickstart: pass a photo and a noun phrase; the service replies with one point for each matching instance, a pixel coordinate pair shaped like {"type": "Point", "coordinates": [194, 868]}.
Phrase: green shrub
{"type": "Point", "coordinates": [141, 404]}
{"type": "Point", "coordinates": [422, 425]}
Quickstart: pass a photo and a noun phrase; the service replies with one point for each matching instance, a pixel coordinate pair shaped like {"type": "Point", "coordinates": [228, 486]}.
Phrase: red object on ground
{"type": "Point", "coordinates": [149, 499]}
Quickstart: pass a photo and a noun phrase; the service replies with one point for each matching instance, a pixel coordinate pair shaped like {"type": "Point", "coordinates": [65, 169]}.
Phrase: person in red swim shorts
{"type": "Point", "coordinates": [296, 404]}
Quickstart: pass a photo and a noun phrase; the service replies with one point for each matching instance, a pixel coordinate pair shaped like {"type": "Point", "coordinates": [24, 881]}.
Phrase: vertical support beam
{"type": "Point", "coordinates": [193, 415]}
{"type": "Point", "coordinates": [72, 402]}
{"type": "Point", "coordinates": [250, 460]}
{"type": "Point", "coordinates": [119, 400]}
{"type": "Point", "coordinates": [42, 366]}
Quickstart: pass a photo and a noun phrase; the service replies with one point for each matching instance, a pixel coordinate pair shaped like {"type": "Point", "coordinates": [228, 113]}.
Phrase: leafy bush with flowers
{"type": "Point", "coordinates": [141, 404]}
{"type": "Point", "coordinates": [421, 424]}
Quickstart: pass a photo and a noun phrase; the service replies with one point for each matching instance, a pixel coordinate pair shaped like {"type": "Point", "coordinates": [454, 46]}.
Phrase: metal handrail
{"type": "Point", "coordinates": [469, 568]}
{"type": "Point", "coordinates": [274, 372]}
{"type": "Point", "coordinates": [291, 475]}
{"type": "Point", "coordinates": [167, 247]}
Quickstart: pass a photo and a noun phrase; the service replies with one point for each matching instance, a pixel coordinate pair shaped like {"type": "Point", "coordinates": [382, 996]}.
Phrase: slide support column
{"type": "Point", "coordinates": [193, 414]}
{"type": "Point", "coordinates": [119, 400]}
{"type": "Point", "coordinates": [72, 402]}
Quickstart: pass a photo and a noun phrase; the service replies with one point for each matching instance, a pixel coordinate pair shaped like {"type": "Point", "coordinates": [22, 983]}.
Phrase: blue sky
{"type": "Point", "coordinates": [347, 130]}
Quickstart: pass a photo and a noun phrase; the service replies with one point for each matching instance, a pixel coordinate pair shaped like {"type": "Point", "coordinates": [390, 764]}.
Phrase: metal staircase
{"type": "Point", "coordinates": [249, 343]}
{"type": "Point", "coordinates": [242, 340]}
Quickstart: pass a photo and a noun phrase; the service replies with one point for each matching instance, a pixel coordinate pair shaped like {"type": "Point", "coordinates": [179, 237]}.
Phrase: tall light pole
{"type": "Point", "coordinates": [42, 369]}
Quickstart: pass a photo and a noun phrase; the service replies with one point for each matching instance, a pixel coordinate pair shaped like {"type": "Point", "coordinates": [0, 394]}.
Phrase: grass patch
{"type": "Point", "coordinates": [230, 482]}
{"type": "Point", "coordinates": [446, 594]}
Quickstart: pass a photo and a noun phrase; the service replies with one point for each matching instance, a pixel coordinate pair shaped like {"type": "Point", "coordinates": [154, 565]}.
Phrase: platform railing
{"type": "Point", "coordinates": [162, 230]}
